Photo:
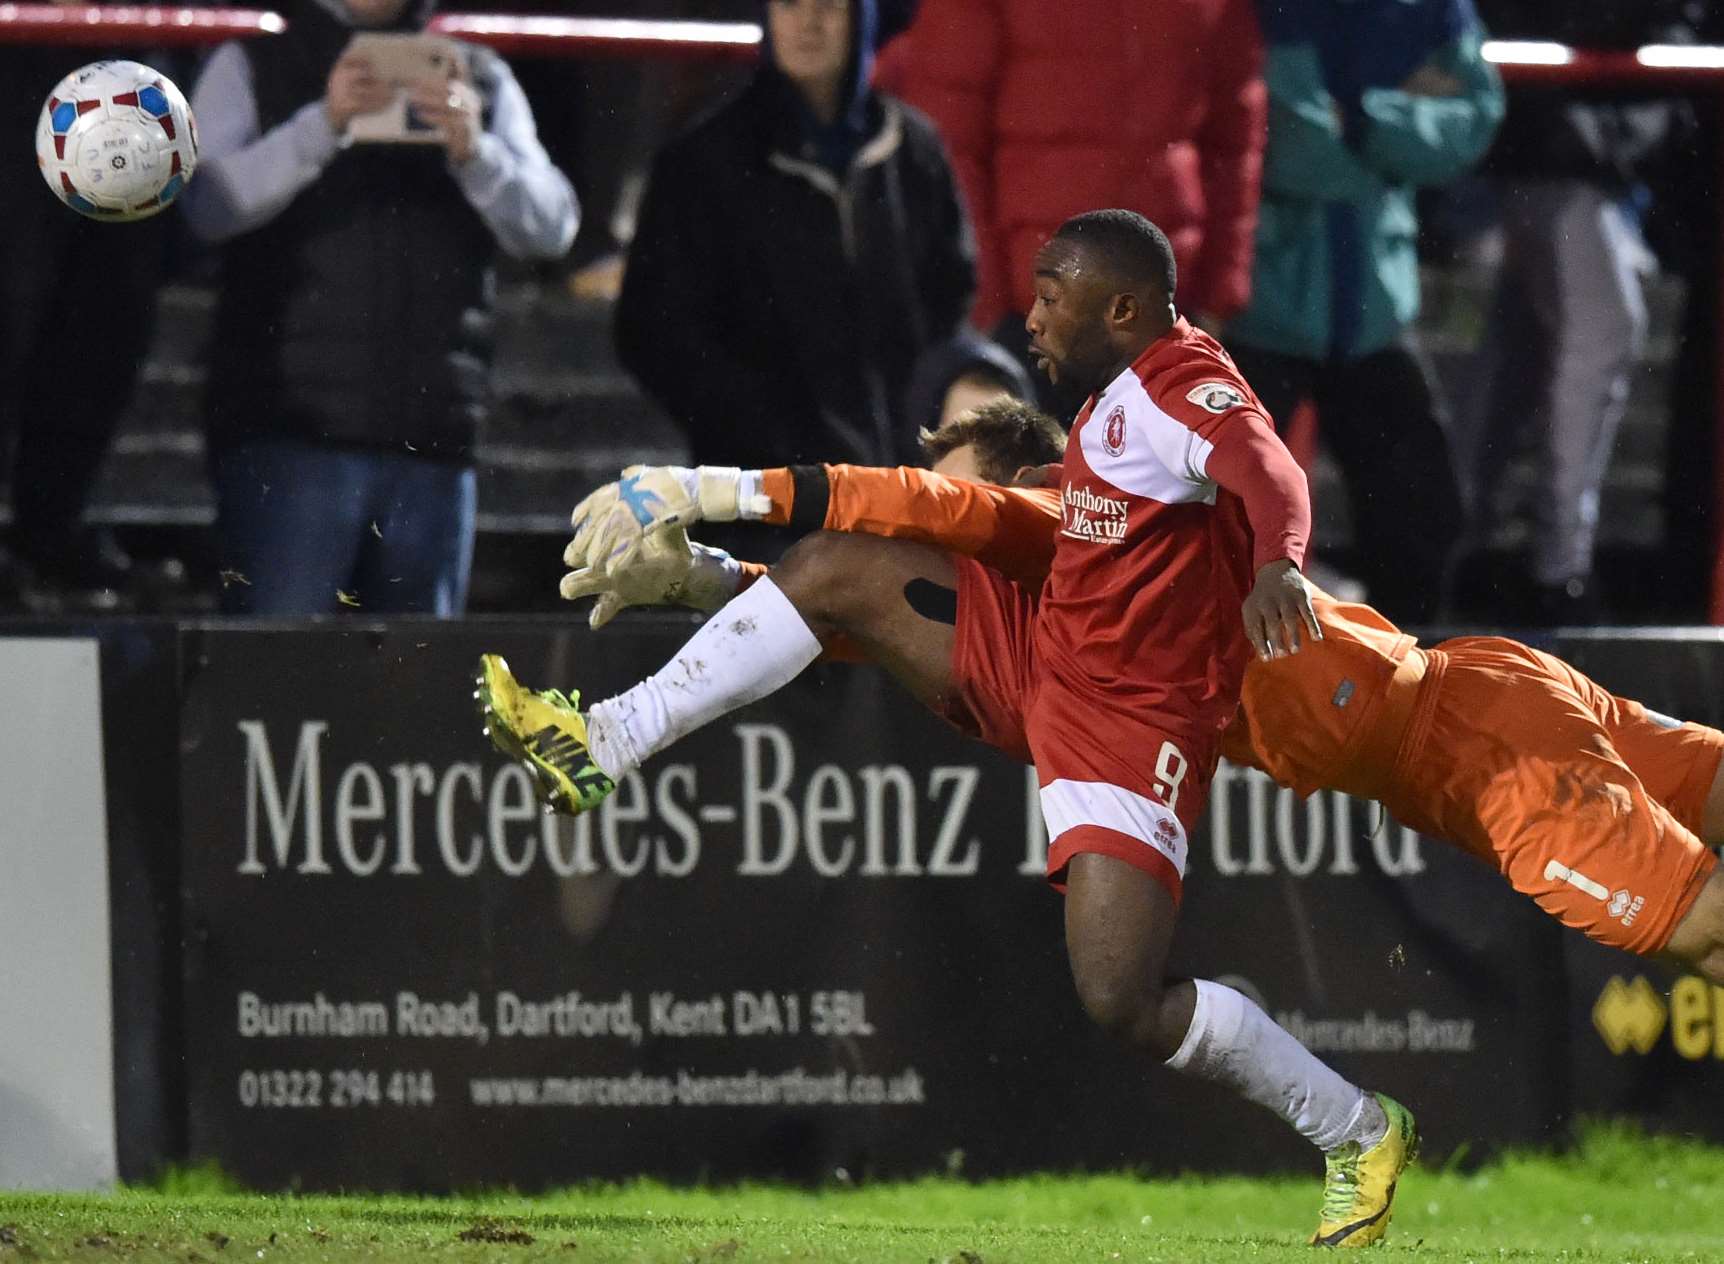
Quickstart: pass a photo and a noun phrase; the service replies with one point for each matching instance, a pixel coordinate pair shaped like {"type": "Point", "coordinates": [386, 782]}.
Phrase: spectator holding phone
{"type": "Point", "coordinates": [350, 367]}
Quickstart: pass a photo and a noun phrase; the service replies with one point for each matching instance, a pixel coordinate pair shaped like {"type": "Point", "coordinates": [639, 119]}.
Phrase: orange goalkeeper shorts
{"type": "Point", "coordinates": [1584, 801]}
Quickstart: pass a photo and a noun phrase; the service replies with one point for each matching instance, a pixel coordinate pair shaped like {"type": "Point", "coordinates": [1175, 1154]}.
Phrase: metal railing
{"type": "Point", "coordinates": [512, 34]}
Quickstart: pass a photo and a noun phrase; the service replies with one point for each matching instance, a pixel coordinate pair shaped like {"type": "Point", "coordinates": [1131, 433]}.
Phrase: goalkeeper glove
{"type": "Point", "coordinates": [611, 523]}
{"type": "Point", "coordinates": [668, 569]}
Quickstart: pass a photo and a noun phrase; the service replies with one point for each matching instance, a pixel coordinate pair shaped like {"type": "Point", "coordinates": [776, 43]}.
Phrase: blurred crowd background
{"type": "Point", "coordinates": [375, 378]}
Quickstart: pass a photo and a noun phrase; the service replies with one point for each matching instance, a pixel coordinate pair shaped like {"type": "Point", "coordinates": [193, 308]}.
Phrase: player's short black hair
{"type": "Point", "coordinates": [1127, 243]}
{"type": "Point", "coordinates": [1008, 434]}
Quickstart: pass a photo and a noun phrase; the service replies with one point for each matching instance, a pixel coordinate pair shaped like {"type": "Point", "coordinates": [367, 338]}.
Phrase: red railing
{"type": "Point", "coordinates": [508, 33]}
{"type": "Point", "coordinates": [1671, 68]}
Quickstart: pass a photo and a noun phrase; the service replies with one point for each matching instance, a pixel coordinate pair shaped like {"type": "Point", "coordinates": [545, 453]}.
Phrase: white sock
{"type": "Point", "coordinates": [754, 644]}
{"type": "Point", "coordinates": [1232, 1042]}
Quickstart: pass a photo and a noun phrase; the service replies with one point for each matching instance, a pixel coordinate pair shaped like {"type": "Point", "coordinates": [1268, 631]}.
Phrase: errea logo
{"type": "Point", "coordinates": [1625, 906]}
{"type": "Point", "coordinates": [1629, 1015]}
{"type": "Point", "coordinates": [1633, 1017]}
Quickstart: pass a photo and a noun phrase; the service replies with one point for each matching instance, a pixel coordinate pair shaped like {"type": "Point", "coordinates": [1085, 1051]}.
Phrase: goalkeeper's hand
{"type": "Point", "coordinates": [667, 569]}
{"type": "Point", "coordinates": [611, 524]}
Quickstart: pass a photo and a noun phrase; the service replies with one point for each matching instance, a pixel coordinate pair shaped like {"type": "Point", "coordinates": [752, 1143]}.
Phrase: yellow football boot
{"type": "Point", "coordinates": [546, 732]}
{"type": "Point", "coordinates": [1359, 1183]}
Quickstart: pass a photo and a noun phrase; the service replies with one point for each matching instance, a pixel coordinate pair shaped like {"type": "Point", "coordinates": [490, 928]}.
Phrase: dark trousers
{"type": "Point", "coordinates": [1381, 419]}
{"type": "Point", "coordinates": [77, 307]}
{"type": "Point", "coordinates": [310, 529]}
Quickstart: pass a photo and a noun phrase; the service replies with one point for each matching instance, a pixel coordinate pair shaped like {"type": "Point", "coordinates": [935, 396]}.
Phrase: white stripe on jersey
{"type": "Point", "coordinates": [1161, 457]}
{"type": "Point", "coordinates": [1069, 804]}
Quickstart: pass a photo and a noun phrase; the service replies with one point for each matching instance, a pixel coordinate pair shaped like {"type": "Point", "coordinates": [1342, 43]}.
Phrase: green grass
{"type": "Point", "coordinates": [1617, 1197]}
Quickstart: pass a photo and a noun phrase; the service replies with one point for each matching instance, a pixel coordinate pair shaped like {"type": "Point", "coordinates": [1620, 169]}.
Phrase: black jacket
{"type": "Point", "coordinates": [775, 309]}
{"type": "Point", "coordinates": [1605, 137]}
{"type": "Point", "coordinates": [362, 313]}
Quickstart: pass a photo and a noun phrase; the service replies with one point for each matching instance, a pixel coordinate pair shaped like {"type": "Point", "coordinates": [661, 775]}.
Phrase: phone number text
{"type": "Point", "coordinates": [337, 1090]}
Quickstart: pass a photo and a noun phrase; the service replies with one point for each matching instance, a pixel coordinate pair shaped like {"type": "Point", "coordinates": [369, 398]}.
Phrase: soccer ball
{"type": "Point", "coordinates": [116, 141]}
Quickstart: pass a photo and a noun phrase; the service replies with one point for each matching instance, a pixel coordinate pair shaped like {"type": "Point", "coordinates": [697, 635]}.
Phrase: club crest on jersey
{"type": "Point", "coordinates": [1216, 397]}
{"type": "Point", "coordinates": [1113, 431]}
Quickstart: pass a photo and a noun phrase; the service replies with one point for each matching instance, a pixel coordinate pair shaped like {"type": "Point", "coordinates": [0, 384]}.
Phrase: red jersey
{"type": "Point", "coordinates": [1154, 555]}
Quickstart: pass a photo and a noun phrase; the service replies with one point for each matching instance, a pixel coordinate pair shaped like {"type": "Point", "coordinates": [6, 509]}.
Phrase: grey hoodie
{"type": "Point", "coordinates": [247, 177]}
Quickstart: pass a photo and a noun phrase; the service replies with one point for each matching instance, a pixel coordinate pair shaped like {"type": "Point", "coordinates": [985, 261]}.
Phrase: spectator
{"type": "Point", "coordinates": [1567, 168]}
{"type": "Point", "coordinates": [616, 113]}
{"type": "Point", "coordinates": [796, 252]}
{"type": "Point", "coordinates": [1155, 108]}
{"type": "Point", "coordinates": [1687, 578]}
{"type": "Point", "coordinates": [77, 309]}
{"type": "Point", "coordinates": [350, 368]}
{"type": "Point", "coordinates": [1367, 100]}
{"type": "Point", "coordinates": [963, 373]}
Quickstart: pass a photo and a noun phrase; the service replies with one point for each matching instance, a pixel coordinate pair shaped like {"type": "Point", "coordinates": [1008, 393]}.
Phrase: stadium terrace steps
{"type": "Point", "coordinates": [567, 417]}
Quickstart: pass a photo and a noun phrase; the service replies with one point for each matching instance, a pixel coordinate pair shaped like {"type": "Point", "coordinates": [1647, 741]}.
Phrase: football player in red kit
{"type": "Point", "coordinates": [1181, 512]}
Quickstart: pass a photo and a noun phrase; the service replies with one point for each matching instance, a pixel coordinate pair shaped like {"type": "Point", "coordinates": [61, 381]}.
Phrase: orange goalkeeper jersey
{"type": "Point", "coordinates": [1010, 529]}
{"type": "Point", "coordinates": [1332, 716]}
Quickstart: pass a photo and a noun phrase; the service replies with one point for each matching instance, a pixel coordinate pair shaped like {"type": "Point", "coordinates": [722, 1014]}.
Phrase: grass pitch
{"type": "Point", "coordinates": [1617, 1197]}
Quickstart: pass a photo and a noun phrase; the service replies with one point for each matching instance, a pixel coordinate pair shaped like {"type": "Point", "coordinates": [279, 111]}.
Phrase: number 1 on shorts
{"type": "Point", "coordinates": [1556, 871]}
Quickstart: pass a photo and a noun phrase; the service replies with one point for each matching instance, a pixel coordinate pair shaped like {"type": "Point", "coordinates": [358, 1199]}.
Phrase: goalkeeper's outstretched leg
{"type": "Point", "coordinates": [893, 600]}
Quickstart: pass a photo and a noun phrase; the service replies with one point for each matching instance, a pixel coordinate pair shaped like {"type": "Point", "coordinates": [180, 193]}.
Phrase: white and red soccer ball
{"type": "Point", "coordinates": [116, 140]}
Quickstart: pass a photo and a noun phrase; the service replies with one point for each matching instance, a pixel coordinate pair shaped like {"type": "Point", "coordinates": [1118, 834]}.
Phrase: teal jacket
{"type": "Point", "coordinates": [1335, 268]}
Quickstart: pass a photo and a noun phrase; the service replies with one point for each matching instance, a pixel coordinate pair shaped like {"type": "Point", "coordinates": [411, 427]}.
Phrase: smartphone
{"type": "Point", "coordinates": [403, 60]}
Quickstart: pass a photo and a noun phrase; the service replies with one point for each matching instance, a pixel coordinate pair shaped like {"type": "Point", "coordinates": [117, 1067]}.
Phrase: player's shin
{"type": "Point", "coordinates": [754, 645]}
{"type": "Point", "coordinates": [1233, 1043]}
{"type": "Point", "coordinates": [1367, 1139]}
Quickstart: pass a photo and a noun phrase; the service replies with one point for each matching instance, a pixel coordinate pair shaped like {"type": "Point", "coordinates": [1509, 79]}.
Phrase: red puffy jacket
{"type": "Point", "coordinates": [1052, 107]}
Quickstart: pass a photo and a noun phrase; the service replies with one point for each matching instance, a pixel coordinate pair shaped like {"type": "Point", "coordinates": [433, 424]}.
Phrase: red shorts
{"type": "Point", "coordinates": [1111, 783]}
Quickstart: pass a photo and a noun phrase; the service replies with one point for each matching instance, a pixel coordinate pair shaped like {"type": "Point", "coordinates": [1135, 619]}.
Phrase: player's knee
{"type": "Point", "coordinates": [1707, 959]}
{"type": "Point", "coordinates": [1703, 954]}
{"type": "Point", "coordinates": [1129, 1009]}
{"type": "Point", "coordinates": [819, 575]}
{"type": "Point", "coordinates": [1698, 941]}
{"type": "Point", "coordinates": [1709, 964]}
